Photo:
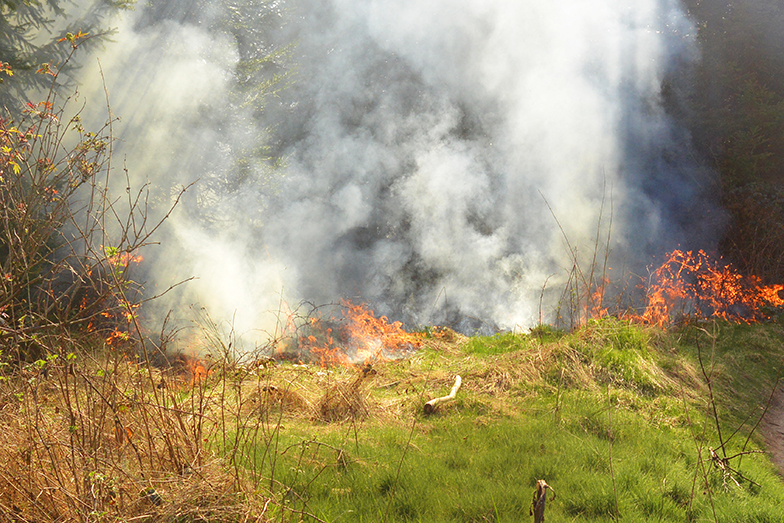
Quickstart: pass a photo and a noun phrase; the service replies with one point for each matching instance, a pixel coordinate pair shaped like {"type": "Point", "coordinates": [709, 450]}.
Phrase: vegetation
{"type": "Point", "coordinates": [622, 421]}
{"type": "Point", "coordinates": [66, 245]}
{"type": "Point", "coordinates": [25, 54]}
{"type": "Point", "coordinates": [615, 417]}
{"type": "Point", "coordinates": [732, 102]}
{"type": "Point", "coordinates": [629, 422]}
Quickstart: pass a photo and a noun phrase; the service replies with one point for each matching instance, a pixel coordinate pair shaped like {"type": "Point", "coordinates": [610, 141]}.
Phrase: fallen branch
{"type": "Point", "coordinates": [723, 464]}
{"type": "Point", "coordinates": [430, 406]}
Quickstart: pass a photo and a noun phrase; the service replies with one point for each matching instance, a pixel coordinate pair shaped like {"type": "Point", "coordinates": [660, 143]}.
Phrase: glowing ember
{"type": "Point", "coordinates": [691, 284]}
{"type": "Point", "coordinates": [359, 336]}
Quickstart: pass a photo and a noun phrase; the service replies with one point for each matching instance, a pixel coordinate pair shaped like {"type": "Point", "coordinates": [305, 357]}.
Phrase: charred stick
{"type": "Point", "coordinates": [540, 498]}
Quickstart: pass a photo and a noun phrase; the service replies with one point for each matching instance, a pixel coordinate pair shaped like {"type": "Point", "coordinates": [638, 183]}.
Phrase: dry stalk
{"type": "Point", "coordinates": [539, 500]}
{"type": "Point", "coordinates": [345, 401]}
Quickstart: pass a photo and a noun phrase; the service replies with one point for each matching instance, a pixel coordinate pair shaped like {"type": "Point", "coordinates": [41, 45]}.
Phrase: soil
{"type": "Point", "coordinates": [772, 429]}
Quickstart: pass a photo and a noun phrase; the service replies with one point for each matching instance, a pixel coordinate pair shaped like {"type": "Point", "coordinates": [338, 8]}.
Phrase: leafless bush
{"type": "Point", "coordinates": [96, 437]}
{"type": "Point", "coordinates": [66, 244]}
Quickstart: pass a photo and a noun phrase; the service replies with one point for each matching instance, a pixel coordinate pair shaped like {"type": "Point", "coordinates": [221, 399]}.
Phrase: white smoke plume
{"type": "Point", "coordinates": [422, 143]}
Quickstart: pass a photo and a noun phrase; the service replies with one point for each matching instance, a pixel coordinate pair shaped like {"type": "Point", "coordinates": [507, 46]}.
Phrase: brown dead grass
{"type": "Point", "coordinates": [90, 439]}
{"type": "Point", "coordinates": [346, 400]}
{"type": "Point", "coordinates": [268, 399]}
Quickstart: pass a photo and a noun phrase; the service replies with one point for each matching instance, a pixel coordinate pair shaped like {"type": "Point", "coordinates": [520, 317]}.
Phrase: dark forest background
{"type": "Point", "coordinates": [732, 103]}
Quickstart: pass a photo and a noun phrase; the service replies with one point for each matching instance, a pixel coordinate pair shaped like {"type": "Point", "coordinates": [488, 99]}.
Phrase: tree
{"type": "Point", "coordinates": [732, 102]}
{"type": "Point", "coordinates": [29, 31]}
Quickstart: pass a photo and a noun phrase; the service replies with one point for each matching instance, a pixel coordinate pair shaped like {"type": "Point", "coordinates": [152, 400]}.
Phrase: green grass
{"type": "Point", "coordinates": [625, 436]}
{"type": "Point", "coordinates": [462, 471]}
{"type": "Point", "coordinates": [498, 344]}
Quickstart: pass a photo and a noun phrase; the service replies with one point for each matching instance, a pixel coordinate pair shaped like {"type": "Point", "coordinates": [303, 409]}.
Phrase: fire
{"type": "Point", "coordinates": [692, 284]}
{"type": "Point", "coordinates": [358, 336]}
{"type": "Point", "coordinates": [122, 260]}
{"type": "Point", "coordinates": [377, 334]}
{"type": "Point", "coordinates": [595, 306]}
{"type": "Point", "coordinates": [195, 368]}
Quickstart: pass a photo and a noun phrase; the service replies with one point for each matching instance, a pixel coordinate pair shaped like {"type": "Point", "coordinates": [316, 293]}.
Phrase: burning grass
{"type": "Point", "coordinates": [686, 286]}
{"type": "Point", "coordinates": [352, 334]}
{"type": "Point", "coordinates": [689, 283]}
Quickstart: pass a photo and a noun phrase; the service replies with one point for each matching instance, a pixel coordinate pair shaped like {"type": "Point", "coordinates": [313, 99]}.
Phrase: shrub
{"type": "Point", "coordinates": [65, 244]}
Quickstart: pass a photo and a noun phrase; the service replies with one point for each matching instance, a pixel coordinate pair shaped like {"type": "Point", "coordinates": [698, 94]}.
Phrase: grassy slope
{"type": "Point", "coordinates": [610, 414]}
{"type": "Point", "coordinates": [616, 418]}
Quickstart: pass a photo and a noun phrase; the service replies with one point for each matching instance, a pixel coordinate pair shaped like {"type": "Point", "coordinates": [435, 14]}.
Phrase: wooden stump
{"type": "Point", "coordinates": [540, 498]}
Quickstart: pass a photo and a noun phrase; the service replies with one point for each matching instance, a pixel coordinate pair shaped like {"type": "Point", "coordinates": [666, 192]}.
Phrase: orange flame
{"type": "Point", "coordinates": [692, 284]}
{"type": "Point", "coordinates": [358, 336]}
{"type": "Point", "coordinates": [377, 335]}
{"type": "Point", "coordinates": [595, 306]}
{"type": "Point", "coordinates": [125, 259]}
{"type": "Point", "coordinates": [195, 369]}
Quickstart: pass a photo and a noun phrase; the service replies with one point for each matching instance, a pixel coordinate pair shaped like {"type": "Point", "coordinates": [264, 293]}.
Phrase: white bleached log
{"type": "Point", "coordinates": [430, 406]}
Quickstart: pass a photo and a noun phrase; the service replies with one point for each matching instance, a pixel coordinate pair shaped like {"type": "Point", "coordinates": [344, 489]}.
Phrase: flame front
{"type": "Point", "coordinates": [195, 369]}
{"type": "Point", "coordinates": [692, 284]}
{"type": "Point", "coordinates": [357, 337]}
{"type": "Point", "coordinates": [376, 336]}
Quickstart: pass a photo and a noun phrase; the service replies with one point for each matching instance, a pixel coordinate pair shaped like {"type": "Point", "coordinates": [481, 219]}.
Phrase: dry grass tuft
{"type": "Point", "coordinates": [267, 398]}
{"type": "Point", "coordinates": [539, 365]}
{"type": "Point", "coordinates": [211, 497]}
{"type": "Point", "coordinates": [445, 340]}
{"type": "Point", "coordinates": [347, 400]}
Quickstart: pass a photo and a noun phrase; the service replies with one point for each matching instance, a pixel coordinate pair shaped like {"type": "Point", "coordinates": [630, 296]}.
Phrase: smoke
{"type": "Point", "coordinates": [436, 156]}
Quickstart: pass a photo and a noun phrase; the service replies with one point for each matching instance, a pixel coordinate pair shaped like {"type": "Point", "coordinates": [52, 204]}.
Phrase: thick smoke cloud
{"type": "Point", "coordinates": [426, 147]}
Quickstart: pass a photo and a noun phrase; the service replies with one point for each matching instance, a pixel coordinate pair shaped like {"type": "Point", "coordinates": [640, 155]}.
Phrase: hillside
{"type": "Point", "coordinates": [618, 419]}
{"type": "Point", "coordinates": [616, 173]}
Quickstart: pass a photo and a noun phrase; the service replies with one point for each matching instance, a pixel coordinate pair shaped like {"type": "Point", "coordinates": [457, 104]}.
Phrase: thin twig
{"type": "Point", "coordinates": [617, 514]}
